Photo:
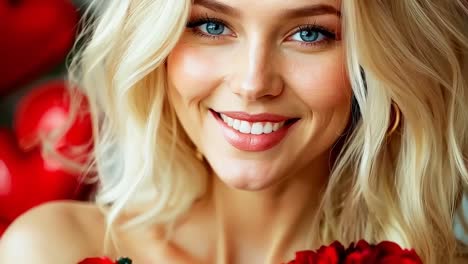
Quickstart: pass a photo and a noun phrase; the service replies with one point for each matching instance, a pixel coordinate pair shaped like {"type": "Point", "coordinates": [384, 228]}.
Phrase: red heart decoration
{"type": "Point", "coordinates": [27, 177]}
{"type": "Point", "coordinates": [36, 36]}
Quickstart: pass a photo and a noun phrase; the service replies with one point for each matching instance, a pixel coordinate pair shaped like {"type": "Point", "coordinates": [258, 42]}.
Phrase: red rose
{"type": "Point", "coordinates": [105, 260]}
{"type": "Point", "coordinates": [331, 254]}
{"type": "Point", "coordinates": [325, 255]}
{"type": "Point", "coordinates": [385, 252]}
{"type": "Point", "coordinates": [97, 261]}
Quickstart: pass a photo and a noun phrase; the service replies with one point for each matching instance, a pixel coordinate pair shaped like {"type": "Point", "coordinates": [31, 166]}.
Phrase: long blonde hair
{"type": "Point", "coordinates": [403, 187]}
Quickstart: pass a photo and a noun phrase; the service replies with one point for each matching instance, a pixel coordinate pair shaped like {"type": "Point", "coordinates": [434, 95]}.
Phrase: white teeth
{"type": "Point", "coordinates": [244, 127]}
{"type": "Point", "coordinates": [229, 121]}
{"type": "Point", "coordinates": [276, 126]}
{"type": "Point", "coordinates": [268, 128]}
{"type": "Point", "coordinates": [256, 128]}
{"type": "Point", "coordinates": [236, 124]}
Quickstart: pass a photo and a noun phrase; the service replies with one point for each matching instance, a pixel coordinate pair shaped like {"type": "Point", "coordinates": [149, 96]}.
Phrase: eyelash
{"type": "Point", "coordinates": [192, 25]}
{"type": "Point", "coordinates": [329, 34]}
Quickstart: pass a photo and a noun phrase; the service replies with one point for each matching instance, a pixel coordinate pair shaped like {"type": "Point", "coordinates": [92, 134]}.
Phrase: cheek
{"type": "Point", "coordinates": [192, 78]}
{"type": "Point", "coordinates": [191, 72]}
{"type": "Point", "coordinates": [321, 82]}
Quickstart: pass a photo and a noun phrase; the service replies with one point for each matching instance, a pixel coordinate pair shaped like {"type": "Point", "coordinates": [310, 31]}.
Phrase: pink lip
{"type": "Point", "coordinates": [249, 142]}
{"type": "Point", "coordinates": [264, 117]}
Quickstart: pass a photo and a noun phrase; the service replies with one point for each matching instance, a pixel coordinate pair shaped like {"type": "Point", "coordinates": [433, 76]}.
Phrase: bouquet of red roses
{"type": "Point", "coordinates": [385, 252]}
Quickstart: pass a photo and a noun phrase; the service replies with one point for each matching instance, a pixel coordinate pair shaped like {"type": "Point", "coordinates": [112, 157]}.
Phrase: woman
{"type": "Point", "coordinates": [236, 131]}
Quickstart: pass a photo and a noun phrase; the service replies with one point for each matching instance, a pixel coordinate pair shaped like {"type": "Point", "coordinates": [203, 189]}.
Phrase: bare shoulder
{"type": "Point", "coordinates": [56, 232]}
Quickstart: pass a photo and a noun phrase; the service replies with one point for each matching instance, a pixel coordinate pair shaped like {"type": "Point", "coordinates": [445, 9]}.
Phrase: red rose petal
{"type": "Point", "coordinates": [410, 256]}
{"type": "Point", "coordinates": [399, 259]}
{"type": "Point", "coordinates": [404, 257]}
{"type": "Point", "coordinates": [362, 244]}
{"type": "Point", "coordinates": [330, 254]}
{"type": "Point", "coordinates": [362, 252]}
{"type": "Point", "coordinates": [304, 257]}
{"type": "Point", "coordinates": [102, 260]}
{"type": "Point", "coordinates": [358, 257]}
{"type": "Point", "coordinates": [388, 248]}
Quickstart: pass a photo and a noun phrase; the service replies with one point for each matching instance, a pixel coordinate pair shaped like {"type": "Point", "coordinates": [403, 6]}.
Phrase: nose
{"type": "Point", "coordinates": [255, 74]}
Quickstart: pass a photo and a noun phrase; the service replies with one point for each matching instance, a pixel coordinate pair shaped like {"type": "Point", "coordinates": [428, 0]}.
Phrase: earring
{"type": "Point", "coordinates": [396, 119]}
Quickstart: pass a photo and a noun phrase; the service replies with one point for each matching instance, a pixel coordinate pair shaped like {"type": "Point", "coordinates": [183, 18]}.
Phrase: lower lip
{"type": "Point", "coordinates": [249, 142]}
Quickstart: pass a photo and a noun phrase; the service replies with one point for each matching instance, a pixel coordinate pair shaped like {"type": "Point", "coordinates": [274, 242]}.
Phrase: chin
{"type": "Point", "coordinates": [248, 175]}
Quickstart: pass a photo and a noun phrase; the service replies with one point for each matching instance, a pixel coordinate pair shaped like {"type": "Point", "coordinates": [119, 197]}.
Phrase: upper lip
{"type": "Point", "coordinates": [261, 117]}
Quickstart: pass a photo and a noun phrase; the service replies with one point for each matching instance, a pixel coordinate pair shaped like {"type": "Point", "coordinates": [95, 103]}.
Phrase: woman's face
{"type": "Point", "coordinates": [260, 86]}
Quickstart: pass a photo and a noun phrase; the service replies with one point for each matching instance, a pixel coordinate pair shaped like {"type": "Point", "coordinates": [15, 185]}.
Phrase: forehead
{"type": "Point", "coordinates": [241, 8]}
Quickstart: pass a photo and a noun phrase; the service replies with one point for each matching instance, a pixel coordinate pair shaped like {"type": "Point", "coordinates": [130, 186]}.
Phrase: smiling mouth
{"type": "Point", "coordinates": [259, 124]}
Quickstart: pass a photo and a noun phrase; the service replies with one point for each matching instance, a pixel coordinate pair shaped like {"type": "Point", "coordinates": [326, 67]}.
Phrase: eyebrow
{"type": "Point", "coordinates": [312, 10]}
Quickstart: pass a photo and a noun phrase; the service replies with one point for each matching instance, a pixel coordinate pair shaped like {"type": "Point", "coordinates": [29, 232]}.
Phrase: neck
{"type": "Point", "coordinates": [267, 226]}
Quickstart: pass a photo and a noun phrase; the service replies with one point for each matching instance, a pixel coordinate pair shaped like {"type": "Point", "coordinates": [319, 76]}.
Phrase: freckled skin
{"type": "Point", "coordinates": [256, 71]}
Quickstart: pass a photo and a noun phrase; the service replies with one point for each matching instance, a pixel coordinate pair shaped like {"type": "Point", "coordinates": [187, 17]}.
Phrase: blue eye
{"type": "Point", "coordinates": [213, 28]}
{"type": "Point", "coordinates": [210, 27]}
{"type": "Point", "coordinates": [308, 35]}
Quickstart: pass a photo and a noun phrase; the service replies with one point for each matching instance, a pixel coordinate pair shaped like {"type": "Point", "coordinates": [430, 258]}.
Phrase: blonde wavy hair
{"type": "Point", "coordinates": [403, 187]}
